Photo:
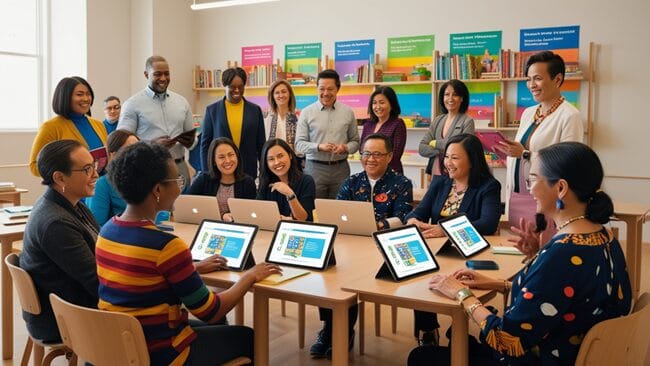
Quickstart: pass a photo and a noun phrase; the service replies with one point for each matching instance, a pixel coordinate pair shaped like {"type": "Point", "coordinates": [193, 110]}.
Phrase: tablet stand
{"type": "Point", "coordinates": [332, 260]}
{"type": "Point", "coordinates": [449, 249]}
{"type": "Point", "coordinates": [384, 273]}
{"type": "Point", "coordinates": [249, 262]}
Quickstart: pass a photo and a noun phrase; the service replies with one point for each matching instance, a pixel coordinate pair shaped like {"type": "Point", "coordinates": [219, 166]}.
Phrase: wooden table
{"type": "Point", "coordinates": [8, 235]}
{"type": "Point", "coordinates": [12, 196]}
{"type": "Point", "coordinates": [634, 216]}
{"type": "Point", "coordinates": [318, 288]}
{"type": "Point", "coordinates": [414, 293]}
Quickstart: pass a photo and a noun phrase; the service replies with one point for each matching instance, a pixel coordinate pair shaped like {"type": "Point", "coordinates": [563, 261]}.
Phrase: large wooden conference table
{"type": "Point", "coordinates": [357, 261]}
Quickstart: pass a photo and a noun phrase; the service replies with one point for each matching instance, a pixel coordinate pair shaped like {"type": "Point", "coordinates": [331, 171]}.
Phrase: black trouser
{"type": "Point", "coordinates": [424, 321]}
{"type": "Point", "coordinates": [478, 354]}
{"type": "Point", "coordinates": [326, 316]}
{"type": "Point", "coordinates": [216, 344]}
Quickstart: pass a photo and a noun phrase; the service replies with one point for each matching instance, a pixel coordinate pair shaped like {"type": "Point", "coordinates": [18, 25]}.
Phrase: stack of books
{"type": "Point", "coordinates": [7, 186]}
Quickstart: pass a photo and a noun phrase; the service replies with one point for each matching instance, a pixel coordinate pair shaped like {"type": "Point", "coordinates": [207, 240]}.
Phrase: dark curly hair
{"type": "Point", "coordinates": [136, 169]}
{"type": "Point", "coordinates": [460, 89]}
{"type": "Point", "coordinates": [229, 74]}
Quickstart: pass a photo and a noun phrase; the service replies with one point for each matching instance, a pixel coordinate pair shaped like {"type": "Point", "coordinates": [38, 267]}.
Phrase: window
{"type": "Point", "coordinates": [20, 60]}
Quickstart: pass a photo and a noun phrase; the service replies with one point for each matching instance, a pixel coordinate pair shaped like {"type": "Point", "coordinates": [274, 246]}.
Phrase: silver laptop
{"type": "Point", "coordinates": [352, 217]}
{"type": "Point", "coordinates": [192, 209]}
{"type": "Point", "coordinates": [264, 214]}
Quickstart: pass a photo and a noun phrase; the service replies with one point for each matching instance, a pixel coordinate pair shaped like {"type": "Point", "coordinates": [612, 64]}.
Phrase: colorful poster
{"type": "Point", "coordinates": [564, 41]}
{"type": "Point", "coordinates": [356, 97]}
{"type": "Point", "coordinates": [406, 52]}
{"type": "Point", "coordinates": [302, 58]}
{"type": "Point", "coordinates": [415, 102]}
{"type": "Point", "coordinates": [480, 49]}
{"type": "Point", "coordinates": [350, 56]}
{"type": "Point", "coordinates": [256, 55]}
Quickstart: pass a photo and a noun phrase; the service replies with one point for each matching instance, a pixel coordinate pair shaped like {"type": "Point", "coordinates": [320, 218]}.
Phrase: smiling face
{"type": "Point", "coordinates": [375, 158]}
{"type": "Point", "coordinates": [543, 193]}
{"type": "Point", "coordinates": [541, 85]}
{"type": "Point", "coordinates": [452, 100]}
{"type": "Point", "coordinates": [281, 95]}
{"type": "Point", "coordinates": [112, 110]}
{"type": "Point", "coordinates": [381, 107]}
{"type": "Point", "coordinates": [327, 91]}
{"type": "Point", "coordinates": [158, 76]}
{"type": "Point", "coordinates": [457, 162]}
{"type": "Point", "coordinates": [81, 99]}
{"type": "Point", "coordinates": [226, 159]}
{"type": "Point", "coordinates": [235, 91]}
{"type": "Point", "coordinates": [79, 184]}
{"type": "Point", "coordinates": [279, 161]}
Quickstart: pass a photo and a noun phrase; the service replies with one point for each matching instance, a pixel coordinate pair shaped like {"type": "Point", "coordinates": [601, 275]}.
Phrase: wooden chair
{"type": "Point", "coordinates": [120, 342]}
{"type": "Point", "coordinates": [620, 341]}
{"type": "Point", "coordinates": [29, 302]}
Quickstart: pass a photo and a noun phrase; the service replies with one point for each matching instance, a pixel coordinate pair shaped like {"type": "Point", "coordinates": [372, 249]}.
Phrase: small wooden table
{"type": "Point", "coordinates": [8, 235]}
{"type": "Point", "coordinates": [12, 197]}
{"type": "Point", "coordinates": [634, 216]}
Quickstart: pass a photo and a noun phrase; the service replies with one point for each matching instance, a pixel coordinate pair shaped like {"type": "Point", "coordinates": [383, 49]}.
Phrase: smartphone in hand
{"type": "Point", "coordinates": [481, 264]}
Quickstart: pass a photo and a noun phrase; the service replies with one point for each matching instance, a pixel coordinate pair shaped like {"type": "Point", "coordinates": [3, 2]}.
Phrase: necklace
{"type": "Point", "coordinates": [539, 115]}
{"type": "Point", "coordinates": [567, 222]}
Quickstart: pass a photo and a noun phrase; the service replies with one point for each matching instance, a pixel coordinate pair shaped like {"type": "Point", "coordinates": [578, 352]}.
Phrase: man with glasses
{"type": "Point", "coordinates": [112, 108]}
{"type": "Point", "coordinates": [391, 195]}
{"type": "Point", "coordinates": [160, 115]}
{"type": "Point", "coordinates": [327, 132]}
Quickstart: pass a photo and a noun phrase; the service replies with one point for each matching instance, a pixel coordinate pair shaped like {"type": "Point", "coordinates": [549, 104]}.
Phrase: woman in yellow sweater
{"type": "Point", "coordinates": [71, 102]}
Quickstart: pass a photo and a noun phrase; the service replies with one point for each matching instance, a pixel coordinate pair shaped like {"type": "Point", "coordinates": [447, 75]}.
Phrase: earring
{"type": "Point", "coordinates": [559, 204]}
{"type": "Point", "coordinates": [157, 199]}
{"type": "Point", "coordinates": [63, 189]}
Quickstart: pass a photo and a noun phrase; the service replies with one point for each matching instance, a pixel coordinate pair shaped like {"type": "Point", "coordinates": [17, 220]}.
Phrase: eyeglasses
{"type": "Point", "coordinates": [180, 181]}
{"type": "Point", "coordinates": [375, 155]}
{"type": "Point", "coordinates": [89, 169]}
{"type": "Point", "coordinates": [113, 108]}
{"type": "Point", "coordinates": [530, 181]}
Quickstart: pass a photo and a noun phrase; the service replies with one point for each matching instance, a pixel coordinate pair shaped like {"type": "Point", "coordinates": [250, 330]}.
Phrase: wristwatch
{"type": "Point", "coordinates": [526, 154]}
{"type": "Point", "coordinates": [291, 197]}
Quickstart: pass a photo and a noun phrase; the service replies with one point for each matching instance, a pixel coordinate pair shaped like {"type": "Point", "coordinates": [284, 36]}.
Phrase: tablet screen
{"type": "Point", "coordinates": [463, 234]}
{"type": "Point", "coordinates": [230, 240]}
{"type": "Point", "coordinates": [302, 244]}
{"type": "Point", "coordinates": [405, 251]}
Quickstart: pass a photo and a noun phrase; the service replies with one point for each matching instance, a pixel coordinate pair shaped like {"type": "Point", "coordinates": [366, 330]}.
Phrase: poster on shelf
{"type": "Point", "coordinates": [406, 54]}
{"type": "Point", "coordinates": [564, 41]}
{"type": "Point", "coordinates": [356, 97]}
{"type": "Point", "coordinates": [303, 58]}
{"type": "Point", "coordinates": [256, 55]}
{"type": "Point", "coordinates": [477, 53]}
{"type": "Point", "coordinates": [352, 60]}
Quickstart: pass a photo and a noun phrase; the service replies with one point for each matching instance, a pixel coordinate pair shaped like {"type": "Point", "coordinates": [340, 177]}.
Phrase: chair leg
{"type": "Point", "coordinates": [38, 354]}
{"type": "Point", "coordinates": [301, 325]}
{"type": "Point", "coordinates": [27, 352]}
{"type": "Point", "coordinates": [377, 319]}
{"type": "Point", "coordinates": [73, 360]}
{"type": "Point", "coordinates": [47, 361]}
{"type": "Point", "coordinates": [283, 307]}
{"type": "Point", "coordinates": [393, 315]}
{"type": "Point", "coordinates": [362, 327]}
{"type": "Point", "coordinates": [238, 361]}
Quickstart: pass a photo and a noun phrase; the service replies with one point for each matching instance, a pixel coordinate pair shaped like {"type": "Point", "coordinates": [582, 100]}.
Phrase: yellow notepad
{"type": "Point", "coordinates": [287, 274]}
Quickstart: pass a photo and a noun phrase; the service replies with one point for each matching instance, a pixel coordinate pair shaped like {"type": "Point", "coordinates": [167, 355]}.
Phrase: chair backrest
{"type": "Point", "coordinates": [619, 341]}
{"type": "Point", "coordinates": [24, 285]}
{"type": "Point", "coordinates": [100, 337]}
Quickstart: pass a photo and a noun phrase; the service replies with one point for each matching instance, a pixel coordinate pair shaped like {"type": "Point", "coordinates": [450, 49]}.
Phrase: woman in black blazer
{"type": "Point", "coordinates": [224, 177]}
{"type": "Point", "coordinates": [470, 188]}
{"type": "Point", "coordinates": [237, 119]}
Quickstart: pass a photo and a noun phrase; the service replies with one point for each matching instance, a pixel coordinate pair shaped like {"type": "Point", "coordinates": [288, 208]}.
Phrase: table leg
{"type": "Point", "coordinates": [7, 305]}
{"type": "Point", "coordinates": [632, 252]}
{"type": "Point", "coordinates": [261, 326]}
{"type": "Point", "coordinates": [459, 332]}
{"type": "Point", "coordinates": [377, 319]}
{"type": "Point", "coordinates": [362, 327]}
{"type": "Point", "coordinates": [301, 325]}
{"type": "Point", "coordinates": [340, 335]}
{"type": "Point", "coordinates": [638, 238]}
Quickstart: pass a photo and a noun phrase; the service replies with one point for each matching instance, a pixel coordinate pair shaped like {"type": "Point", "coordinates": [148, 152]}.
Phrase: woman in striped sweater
{"type": "Point", "coordinates": [149, 273]}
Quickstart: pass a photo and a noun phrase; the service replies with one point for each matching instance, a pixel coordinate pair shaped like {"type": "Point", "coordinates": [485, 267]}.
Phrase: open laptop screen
{"type": "Point", "coordinates": [302, 244]}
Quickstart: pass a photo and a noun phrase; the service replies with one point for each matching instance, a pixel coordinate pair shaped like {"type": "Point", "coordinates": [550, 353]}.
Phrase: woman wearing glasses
{"type": "Point", "coordinates": [470, 188]}
{"type": "Point", "coordinates": [225, 177]}
{"type": "Point", "coordinates": [149, 273]}
{"type": "Point", "coordinates": [282, 181]}
{"type": "Point", "coordinates": [59, 241]}
{"type": "Point", "coordinates": [72, 100]}
{"type": "Point", "coordinates": [106, 203]}
{"type": "Point", "coordinates": [577, 279]}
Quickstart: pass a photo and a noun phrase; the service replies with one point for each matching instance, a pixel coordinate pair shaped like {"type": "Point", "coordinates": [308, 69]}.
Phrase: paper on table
{"type": "Point", "coordinates": [287, 274]}
{"type": "Point", "coordinates": [501, 249]}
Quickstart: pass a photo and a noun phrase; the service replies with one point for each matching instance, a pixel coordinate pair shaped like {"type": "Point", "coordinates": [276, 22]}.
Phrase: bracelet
{"type": "Point", "coordinates": [505, 286]}
{"type": "Point", "coordinates": [470, 310]}
{"type": "Point", "coordinates": [291, 197]}
{"type": "Point", "coordinates": [463, 293]}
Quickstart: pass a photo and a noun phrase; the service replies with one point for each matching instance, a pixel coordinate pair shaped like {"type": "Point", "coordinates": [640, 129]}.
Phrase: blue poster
{"type": "Point", "coordinates": [555, 38]}
{"type": "Point", "coordinates": [350, 55]}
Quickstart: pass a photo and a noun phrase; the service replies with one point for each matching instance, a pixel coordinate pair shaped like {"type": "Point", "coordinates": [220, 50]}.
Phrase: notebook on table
{"type": "Point", "coordinates": [351, 217]}
{"type": "Point", "coordinates": [264, 214]}
{"type": "Point", "coordinates": [230, 240]}
{"type": "Point", "coordinates": [405, 252]}
{"type": "Point", "coordinates": [463, 237]}
{"type": "Point", "coordinates": [192, 209]}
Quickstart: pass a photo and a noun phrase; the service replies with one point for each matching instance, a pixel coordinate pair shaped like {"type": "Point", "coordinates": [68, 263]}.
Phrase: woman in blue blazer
{"type": "Point", "coordinates": [237, 119]}
{"type": "Point", "coordinates": [470, 188]}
